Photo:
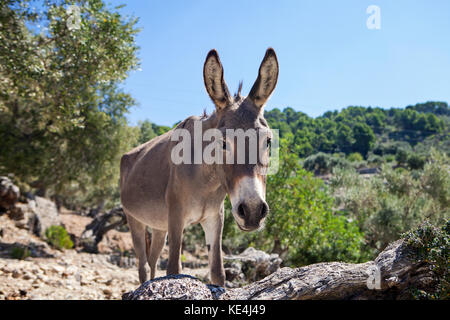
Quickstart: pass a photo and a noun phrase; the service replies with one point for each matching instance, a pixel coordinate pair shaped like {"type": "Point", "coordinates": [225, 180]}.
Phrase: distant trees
{"type": "Point", "coordinates": [437, 108]}
{"type": "Point", "coordinates": [358, 129]}
{"type": "Point", "coordinates": [364, 138]}
{"type": "Point", "coordinates": [149, 130]}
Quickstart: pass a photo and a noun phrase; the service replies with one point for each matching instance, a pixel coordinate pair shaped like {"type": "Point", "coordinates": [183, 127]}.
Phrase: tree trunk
{"type": "Point", "coordinates": [94, 231]}
{"type": "Point", "coordinates": [392, 275]}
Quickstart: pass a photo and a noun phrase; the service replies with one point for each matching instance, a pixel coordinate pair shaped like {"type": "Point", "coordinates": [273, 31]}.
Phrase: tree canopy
{"type": "Point", "coordinates": [62, 112]}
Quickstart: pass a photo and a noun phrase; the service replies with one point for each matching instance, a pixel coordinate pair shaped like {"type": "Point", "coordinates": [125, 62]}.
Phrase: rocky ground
{"type": "Point", "coordinates": [102, 264]}
{"type": "Point", "coordinates": [71, 274]}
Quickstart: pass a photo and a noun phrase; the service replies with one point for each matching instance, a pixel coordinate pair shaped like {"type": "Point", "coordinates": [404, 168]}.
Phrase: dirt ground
{"type": "Point", "coordinates": [71, 274]}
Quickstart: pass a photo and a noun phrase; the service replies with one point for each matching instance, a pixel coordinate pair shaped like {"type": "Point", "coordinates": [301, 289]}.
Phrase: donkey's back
{"type": "Point", "coordinates": [144, 173]}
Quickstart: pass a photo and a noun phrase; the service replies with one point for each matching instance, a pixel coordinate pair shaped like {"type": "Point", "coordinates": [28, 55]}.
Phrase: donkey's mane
{"type": "Point", "coordinates": [237, 95]}
{"type": "Point", "coordinates": [237, 98]}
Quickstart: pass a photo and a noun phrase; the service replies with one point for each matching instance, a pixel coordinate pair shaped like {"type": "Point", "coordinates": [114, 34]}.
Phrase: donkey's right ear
{"type": "Point", "coordinates": [214, 82]}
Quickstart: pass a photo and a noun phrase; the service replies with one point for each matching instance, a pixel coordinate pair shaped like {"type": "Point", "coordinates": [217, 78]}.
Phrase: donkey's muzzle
{"type": "Point", "coordinates": [252, 214]}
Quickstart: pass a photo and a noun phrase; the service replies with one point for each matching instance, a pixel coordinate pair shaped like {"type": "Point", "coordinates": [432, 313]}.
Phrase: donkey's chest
{"type": "Point", "coordinates": [199, 213]}
{"type": "Point", "coordinates": [201, 209]}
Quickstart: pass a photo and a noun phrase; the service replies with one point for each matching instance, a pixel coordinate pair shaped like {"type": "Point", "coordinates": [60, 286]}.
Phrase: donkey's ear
{"type": "Point", "coordinates": [214, 82]}
{"type": "Point", "coordinates": [267, 79]}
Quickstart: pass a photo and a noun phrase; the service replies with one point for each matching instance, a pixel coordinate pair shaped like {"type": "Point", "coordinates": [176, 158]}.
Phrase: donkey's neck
{"type": "Point", "coordinates": [210, 121]}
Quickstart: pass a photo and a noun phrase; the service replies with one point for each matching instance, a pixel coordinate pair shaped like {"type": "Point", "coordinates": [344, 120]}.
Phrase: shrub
{"type": "Point", "coordinates": [431, 246]}
{"type": "Point", "coordinates": [354, 157]}
{"type": "Point", "coordinates": [374, 159]}
{"type": "Point", "coordinates": [322, 163]}
{"type": "Point", "coordinates": [401, 156]}
{"type": "Point", "coordinates": [20, 253]}
{"type": "Point", "coordinates": [301, 226]}
{"type": "Point", "coordinates": [58, 237]}
{"type": "Point", "coordinates": [395, 201]}
{"type": "Point", "coordinates": [389, 158]}
{"type": "Point", "coordinates": [415, 161]}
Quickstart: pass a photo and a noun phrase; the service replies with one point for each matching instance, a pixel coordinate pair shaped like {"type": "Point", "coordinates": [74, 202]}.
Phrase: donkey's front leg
{"type": "Point", "coordinates": [213, 226]}
{"type": "Point", "coordinates": [176, 226]}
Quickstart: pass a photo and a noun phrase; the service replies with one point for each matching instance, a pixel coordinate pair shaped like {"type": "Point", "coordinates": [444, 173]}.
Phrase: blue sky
{"type": "Point", "coordinates": [328, 57]}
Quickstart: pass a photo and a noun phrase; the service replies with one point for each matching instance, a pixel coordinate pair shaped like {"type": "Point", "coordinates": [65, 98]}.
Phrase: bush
{"type": "Point", "coordinates": [395, 201]}
{"type": "Point", "coordinates": [389, 158]}
{"type": "Point", "coordinates": [323, 163]}
{"type": "Point", "coordinates": [374, 159]}
{"type": "Point", "coordinates": [355, 157]}
{"type": "Point", "coordinates": [401, 156]}
{"type": "Point", "coordinates": [415, 161]}
{"type": "Point", "coordinates": [302, 222]}
{"type": "Point", "coordinates": [58, 237]}
{"type": "Point", "coordinates": [20, 253]}
{"type": "Point", "coordinates": [431, 245]}
{"type": "Point", "coordinates": [301, 226]}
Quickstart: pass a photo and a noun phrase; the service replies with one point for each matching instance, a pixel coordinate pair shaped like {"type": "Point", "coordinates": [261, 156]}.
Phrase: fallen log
{"type": "Point", "coordinates": [392, 275]}
{"type": "Point", "coordinates": [94, 232]}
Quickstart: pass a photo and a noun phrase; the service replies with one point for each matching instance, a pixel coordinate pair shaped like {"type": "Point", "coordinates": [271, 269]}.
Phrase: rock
{"type": "Point", "coordinates": [9, 193]}
{"type": "Point", "coordinates": [46, 215]}
{"type": "Point", "coordinates": [116, 241]}
{"type": "Point", "coordinates": [16, 274]}
{"type": "Point", "coordinates": [174, 287]}
{"type": "Point", "coordinates": [36, 215]}
{"type": "Point", "coordinates": [24, 216]}
{"type": "Point", "coordinates": [28, 277]}
{"type": "Point", "coordinates": [75, 225]}
{"type": "Point", "coordinates": [251, 265]}
{"type": "Point", "coordinates": [397, 266]}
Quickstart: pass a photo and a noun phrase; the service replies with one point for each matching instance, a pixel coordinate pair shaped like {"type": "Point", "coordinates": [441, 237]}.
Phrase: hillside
{"type": "Point", "coordinates": [366, 130]}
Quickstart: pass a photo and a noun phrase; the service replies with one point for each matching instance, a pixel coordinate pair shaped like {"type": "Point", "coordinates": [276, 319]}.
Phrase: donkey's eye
{"type": "Point", "coordinates": [269, 142]}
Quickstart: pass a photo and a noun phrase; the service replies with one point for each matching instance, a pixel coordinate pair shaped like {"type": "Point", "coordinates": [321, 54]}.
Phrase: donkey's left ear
{"type": "Point", "coordinates": [267, 79]}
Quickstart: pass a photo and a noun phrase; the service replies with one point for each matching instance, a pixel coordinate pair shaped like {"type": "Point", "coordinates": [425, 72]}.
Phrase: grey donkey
{"type": "Point", "coordinates": [167, 197]}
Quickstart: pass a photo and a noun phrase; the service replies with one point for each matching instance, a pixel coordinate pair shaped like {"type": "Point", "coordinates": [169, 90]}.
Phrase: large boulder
{"type": "Point", "coordinates": [250, 265]}
{"type": "Point", "coordinates": [9, 193]}
{"type": "Point", "coordinates": [36, 215]}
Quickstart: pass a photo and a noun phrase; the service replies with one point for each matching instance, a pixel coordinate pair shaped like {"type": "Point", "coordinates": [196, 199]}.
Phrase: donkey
{"type": "Point", "coordinates": [167, 197]}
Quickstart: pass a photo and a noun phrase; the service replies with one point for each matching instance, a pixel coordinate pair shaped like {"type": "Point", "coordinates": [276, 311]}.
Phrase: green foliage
{"type": "Point", "coordinates": [301, 224]}
{"type": "Point", "coordinates": [364, 138]}
{"type": "Point", "coordinates": [431, 245]}
{"type": "Point", "coordinates": [416, 161]}
{"type": "Point", "coordinates": [62, 113]}
{"type": "Point", "coordinates": [20, 253]}
{"type": "Point", "coordinates": [323, 163]}
{"type": "Point", "coordinates": [58, 237]}
{"type": "Point", "coordinates": [355, 157]}
{"type": "Point", "coordinates": [364, 130]}
{"type": "Point", "coordinates": [375, 160]}
{"type": "Point", "coordinates": [149, 130]}
{"type": "Point", "coordinates": [401, 156]}
{"type": "Point", "coordinates": [395, 201]}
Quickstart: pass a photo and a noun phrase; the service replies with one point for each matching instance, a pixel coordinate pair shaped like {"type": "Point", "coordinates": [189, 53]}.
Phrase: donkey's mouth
{"type": "Point", "coordinates": [246, 229]}
{"type": "Point", "coordinates": [242, 228]}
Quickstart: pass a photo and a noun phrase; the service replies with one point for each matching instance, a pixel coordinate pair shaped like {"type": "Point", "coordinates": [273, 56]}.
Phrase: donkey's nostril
{"type": "Point", "coordinates": [264, 210]}
{"type": "Point", "coordinates": [241, 211]}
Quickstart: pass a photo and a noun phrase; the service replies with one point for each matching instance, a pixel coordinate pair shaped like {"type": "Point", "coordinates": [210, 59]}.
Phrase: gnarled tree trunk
{"type": "Point", "coordinates": [95, 230]}
{"type": "Point", "coordinates": [392, 275]}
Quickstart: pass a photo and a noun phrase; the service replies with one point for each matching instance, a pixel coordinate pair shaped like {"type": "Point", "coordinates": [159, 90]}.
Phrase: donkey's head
{"type": "Point", "coordinates": [244, 177]}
